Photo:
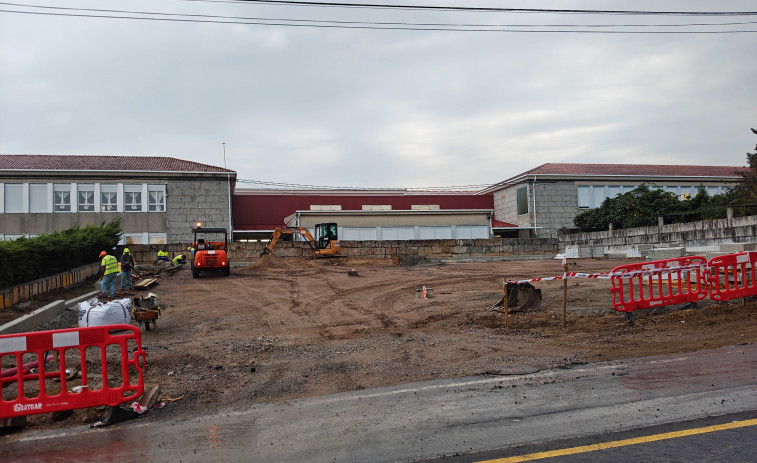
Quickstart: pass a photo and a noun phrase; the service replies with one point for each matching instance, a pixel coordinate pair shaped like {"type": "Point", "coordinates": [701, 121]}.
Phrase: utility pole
{"type": "Point", "coordinates": [228, 180]}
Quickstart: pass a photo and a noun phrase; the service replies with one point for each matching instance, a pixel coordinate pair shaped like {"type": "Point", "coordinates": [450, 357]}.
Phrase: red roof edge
{"type": "Point", "coordinates": [500, 224]}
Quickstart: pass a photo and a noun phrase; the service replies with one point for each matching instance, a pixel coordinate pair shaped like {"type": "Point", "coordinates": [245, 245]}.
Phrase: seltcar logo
{"type": "Point", "coordinates": [26, 407]}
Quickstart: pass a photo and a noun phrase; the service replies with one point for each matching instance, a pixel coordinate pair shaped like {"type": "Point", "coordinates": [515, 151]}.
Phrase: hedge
{"type": "Point", "coordinates": [28, 259]}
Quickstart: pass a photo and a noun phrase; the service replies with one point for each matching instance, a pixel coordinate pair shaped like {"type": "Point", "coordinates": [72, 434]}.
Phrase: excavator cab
{"type": "Point", "coordinates": [325, 233]}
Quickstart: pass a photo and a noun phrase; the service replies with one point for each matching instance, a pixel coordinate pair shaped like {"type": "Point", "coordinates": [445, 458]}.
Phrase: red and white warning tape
{"type": "Point", "coordinates": [635, 273]}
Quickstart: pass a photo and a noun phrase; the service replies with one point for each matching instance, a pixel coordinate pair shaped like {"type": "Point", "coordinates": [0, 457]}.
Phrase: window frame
{"type": "Point", "coordinates": [85, 203]}
{"type": "Point", "coordinates": [17, 196]}
{"type": "Point", "coordinates": [62, 191]}
{"type": "Point", "coordinates": [34, 197]}
{"type": "Point", "coordinates": [160, 203]}
{"type": "Point", "coordinates": [131, 192]}
{"type": "Point", "coordinates": [108, 189]}
{"type": "Point", "coordinates": [521, 199]}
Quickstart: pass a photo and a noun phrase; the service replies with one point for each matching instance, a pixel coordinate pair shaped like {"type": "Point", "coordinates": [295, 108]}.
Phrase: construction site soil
{"type": "Point", "coordinates": [284, 328]}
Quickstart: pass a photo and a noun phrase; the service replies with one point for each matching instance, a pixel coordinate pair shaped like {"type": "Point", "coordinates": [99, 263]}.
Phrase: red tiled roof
{"type": "Point", "coordinates": [103, 163]}
{"type": "Point", "coordinates": [637, 170]}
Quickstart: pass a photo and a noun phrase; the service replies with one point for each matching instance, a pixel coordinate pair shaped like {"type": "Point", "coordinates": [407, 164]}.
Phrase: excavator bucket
{"type": "Point", "coordinates": [521, 297]}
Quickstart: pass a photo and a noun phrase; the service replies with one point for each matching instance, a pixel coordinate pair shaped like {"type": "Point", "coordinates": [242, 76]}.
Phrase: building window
{"type": "Point", "coordinates": [424, 207]}
{"type": "Point", "coordinates": [133, 198]}
{"type": "Point", "coordinates": [584, 197]}
{"type": "Point", "coordinates": [377, 207]}
{"type": "Point", "coordinates": [599, 195]}
{"type": "Point", "coordinates": [14, 198]}
{"type": "Point", "coordinates": [62, 198]}
{"type": "Point", "coordinates": [713, 190]}
{"type": "Point", "coordinates": [133, 239]}
{"type": "Point", "coordinates": [156, 198]}
{"type": "Point", "coordinates": [522, 197]}
{"type": "Point", "coordinates": [157, 238]}
{"type": "Point", "coordinates": [108, 198]}
{"type": "Point", "coordinates": [85, 198]}
{"type": "Point", "coordinates": [325, 207]}
{"type": "Point", "coordinates": [38, 197]}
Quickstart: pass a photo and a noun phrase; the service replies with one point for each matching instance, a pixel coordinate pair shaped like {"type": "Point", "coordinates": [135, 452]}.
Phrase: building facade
{"type": "Point", "coordinates": [158, 199]}
{"type": "Point", "coordinates": [367, 215]}
{"type": "Point", "coordinates": [547, 198]}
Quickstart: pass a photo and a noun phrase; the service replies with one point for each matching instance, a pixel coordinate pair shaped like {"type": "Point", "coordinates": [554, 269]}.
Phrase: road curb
{"type": "Point", "coordinates": [30, 322]}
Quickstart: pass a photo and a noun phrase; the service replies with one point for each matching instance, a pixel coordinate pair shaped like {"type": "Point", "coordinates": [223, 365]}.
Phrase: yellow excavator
{"type": "Point", "coordinates": [325, 243]}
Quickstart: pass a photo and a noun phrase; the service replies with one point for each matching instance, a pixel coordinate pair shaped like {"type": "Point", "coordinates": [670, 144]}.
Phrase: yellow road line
{"type": "Point", "coordinates": [624, 442]}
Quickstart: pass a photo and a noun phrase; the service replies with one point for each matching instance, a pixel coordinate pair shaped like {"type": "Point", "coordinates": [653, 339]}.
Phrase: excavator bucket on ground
{"type": "Point", "coordinates": [521, 297]}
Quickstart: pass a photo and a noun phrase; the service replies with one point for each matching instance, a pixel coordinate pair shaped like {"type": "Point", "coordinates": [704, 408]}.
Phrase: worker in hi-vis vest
{"type": "Point", "coordinates": [108, 273]}
{"type": "Point", "coordinates": [163, 254]}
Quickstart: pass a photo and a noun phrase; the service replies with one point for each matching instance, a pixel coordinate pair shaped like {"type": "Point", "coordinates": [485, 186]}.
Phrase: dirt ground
{"type": "Point", "coordinates": [286, 328]}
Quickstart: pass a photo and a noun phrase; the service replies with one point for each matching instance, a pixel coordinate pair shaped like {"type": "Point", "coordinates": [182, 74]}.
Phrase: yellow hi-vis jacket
{"type": "Point", "coordinates": [110, 263]}
{"type": "Point", "coordinates": [163, 255]}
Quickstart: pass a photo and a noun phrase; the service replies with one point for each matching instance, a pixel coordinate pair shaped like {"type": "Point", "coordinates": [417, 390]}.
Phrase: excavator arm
{"type": "Point", "coordinates": [288, 231]}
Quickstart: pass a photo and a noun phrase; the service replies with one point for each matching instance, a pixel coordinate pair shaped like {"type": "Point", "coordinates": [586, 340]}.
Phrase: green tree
{"type": "Point", "coordinates": [639, 207]}
{"type": "Point", "coordinates": [743, 196]}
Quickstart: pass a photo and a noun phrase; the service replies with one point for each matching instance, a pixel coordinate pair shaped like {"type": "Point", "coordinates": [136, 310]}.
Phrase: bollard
{"type": "Point", "coordinates": [564, 292]}
{"type": "Point", "coordinates": [507, 324]}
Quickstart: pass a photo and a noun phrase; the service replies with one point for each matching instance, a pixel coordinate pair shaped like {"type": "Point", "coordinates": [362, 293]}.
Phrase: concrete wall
{"type": "Point", "coordinates": [195, 200]}
{"type": "Point", "coordinates": [707, 233]}
{"type": "Point", "coordinates": [393, 219]}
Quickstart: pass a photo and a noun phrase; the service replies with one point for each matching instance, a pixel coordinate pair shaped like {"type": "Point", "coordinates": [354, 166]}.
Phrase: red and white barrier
{"type": "Point", "coordinates": [113, 355]}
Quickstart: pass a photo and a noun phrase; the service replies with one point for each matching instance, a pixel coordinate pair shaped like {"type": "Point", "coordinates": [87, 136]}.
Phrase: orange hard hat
{"type": "Point", "coordinates": [103, 254]}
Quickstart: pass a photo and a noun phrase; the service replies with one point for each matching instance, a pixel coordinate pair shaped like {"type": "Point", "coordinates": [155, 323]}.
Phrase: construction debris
{"type": "Point", "coordinates": [145, 283]}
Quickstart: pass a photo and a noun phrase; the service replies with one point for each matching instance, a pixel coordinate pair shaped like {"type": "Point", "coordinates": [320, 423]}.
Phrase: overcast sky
{"type": "Point", "coordinates": [361, 107]}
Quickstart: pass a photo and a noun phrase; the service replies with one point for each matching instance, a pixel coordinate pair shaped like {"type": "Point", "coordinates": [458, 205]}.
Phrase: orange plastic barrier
{"type": "Point", "coordinates": [653, 284]}
{"type": "Point", "coordinates": [110, 360]}
{"type": "Point", "coordinates": [737, 273]}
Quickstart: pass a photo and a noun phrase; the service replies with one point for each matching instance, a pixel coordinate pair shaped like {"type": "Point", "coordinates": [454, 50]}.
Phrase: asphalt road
{"type": "Point", "coordinates": [461, 419]}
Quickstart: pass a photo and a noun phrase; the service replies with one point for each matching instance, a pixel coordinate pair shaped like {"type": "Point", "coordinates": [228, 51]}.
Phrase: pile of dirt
{"type": "Point", "coordinates": [285, 328]}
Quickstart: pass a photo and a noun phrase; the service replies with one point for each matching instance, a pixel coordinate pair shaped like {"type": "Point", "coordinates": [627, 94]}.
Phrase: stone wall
{"type": "Point", "coordinates": [496, 247]}
{"type": "Point", "coordinates": [194, 200]}
{"type": "Point", "coordinates": [556, 207]}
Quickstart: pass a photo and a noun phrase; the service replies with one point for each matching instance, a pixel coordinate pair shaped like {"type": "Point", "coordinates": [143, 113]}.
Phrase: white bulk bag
{"type": "Point", "coordinates": [95, 313]}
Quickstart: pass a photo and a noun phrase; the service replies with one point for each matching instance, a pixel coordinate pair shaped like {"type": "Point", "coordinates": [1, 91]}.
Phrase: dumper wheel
{"type": "Point", "coordinates": [226, 271]}
{"type": "Point", "coordinates": [195, 273]}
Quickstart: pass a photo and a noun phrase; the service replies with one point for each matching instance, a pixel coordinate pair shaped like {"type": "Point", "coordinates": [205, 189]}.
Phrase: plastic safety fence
{"type": "Point", "coordinates": [732, 276]}
{"type": "Point", "coordinates": [50, 371]}
{"type": "Point", "coordinates": [653, 284]}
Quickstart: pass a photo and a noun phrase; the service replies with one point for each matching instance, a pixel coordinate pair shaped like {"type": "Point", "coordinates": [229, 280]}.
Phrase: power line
{"type": "Point", "coordinates": [369, 26]}
{"type": "Point", "coordinates": [485, 9]}
{"type": "Point", "coordinates": [367, 23]}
